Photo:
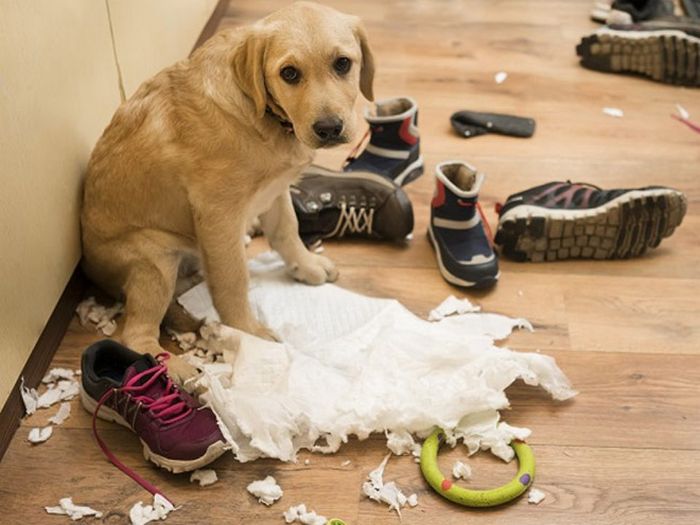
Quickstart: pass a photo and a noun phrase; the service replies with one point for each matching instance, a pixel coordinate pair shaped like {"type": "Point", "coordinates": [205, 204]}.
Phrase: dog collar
{"type": "Point", "coordinates": [286, 125]}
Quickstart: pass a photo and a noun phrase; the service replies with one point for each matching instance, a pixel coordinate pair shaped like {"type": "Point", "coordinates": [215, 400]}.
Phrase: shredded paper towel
{"type": "Point", "coordinates": [354, 365]}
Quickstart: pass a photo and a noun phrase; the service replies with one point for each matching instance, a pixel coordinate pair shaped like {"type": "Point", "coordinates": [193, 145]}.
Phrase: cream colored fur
{"type": "Point", "coordinates": [193, 157]}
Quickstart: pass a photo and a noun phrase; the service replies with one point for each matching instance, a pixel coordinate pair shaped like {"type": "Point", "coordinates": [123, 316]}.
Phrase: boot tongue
{"type": "Point", "coordinates": [142, 364]}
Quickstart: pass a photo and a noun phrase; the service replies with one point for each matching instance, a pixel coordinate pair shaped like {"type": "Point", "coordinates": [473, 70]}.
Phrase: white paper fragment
{"type": "Point", "coordinates": [102, 317]}
{"type": "Point", "coordinates": [500, 77]}
{"type": "Point", "coordinates": [30, 398]}
{"type": "Point", "coordinates": [412, 500]}
{"type": "Point", "coordinates": [62, 414]}
{"type": "Point", "coordinates": [39, 435]}
{"type": "Point", "coordinates": [345, 463]}
{"type": "Point", "coordinates": [451, 306]}
{"type": "Point", "coordinates": [299, 514]}
{"type": "Point", "coordinates": [55, 374]}
{"type": "Point", "coordinates": [401, 442]}
{"type": "Point", "coordinates": [205, 477]}
{"type": "Point", "coordinates": [535, 496]}
{"type": "Point", "coordinates": [64, 390]}
{"type": "Point", "coordinates": [141, 514]}
{"type": "Point", "coordinates": [461, 470]}
{"type": "Point", "coordinates": [266, 490]}
{"type": "Point", "coordinates": [68, 508]}
{"type": "Point", "coordinates": [307, 462]}
{"type": "Point", "coordinates": [389, 493]}
{"type": "Point", "coordinates": [614, 112]}
{"type": "Point", "coordinates": [378, 366]}
{"type": "Point", "coordinates": [682, 112]}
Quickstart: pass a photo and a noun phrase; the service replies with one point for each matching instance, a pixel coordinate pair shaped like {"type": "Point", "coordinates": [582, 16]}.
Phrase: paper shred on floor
{"type": "Point", "coordinates": [205, 477]}
{"type": "Point", "coordinates": [682, 112]}
{"type": "Point", "coordinates": [401, 442]}
{"type": "Point", "coordinates": [55, 374]}
{"type": "Point", "coordinates": [62, 414]}
{"type": "Point", "coordinates": [68, 508]}
{"type": "Point", "coordinates": [102, 317]}
{"type": "Point", "coordinates": [39, 435]}
{"type": "Point", "coordinates": [500, 77]}
{"type": "Point", "coordinates": [299, 514]}
{"type": "Point", "coordinates": [535, 496]}
{"type": "Point", "coordinates": [461, 470]}
{"type": "Point", "coordinates": [389, 493]}
{"type": "Point", "coordinates": [614, 112]}
{"type": "Point", "coordinates": [266, 490]}
{"type": "Point", "coordinates": [141, 514]}
{"type": "Point", "coordinates": [412, 500]}
{"type": "Point", "coordinates": [30, 398]}
{"type": "Point", "coordinates": [452, 306]}
{"type": "Point", "coordinates": [64, 390]}
{"type": "Point", "coordinates": [345, 463]}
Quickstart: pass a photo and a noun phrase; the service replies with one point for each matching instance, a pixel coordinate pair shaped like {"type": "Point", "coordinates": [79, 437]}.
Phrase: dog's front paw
{"type": "Point", "coordinates": [314, 269]}
{"type": "Point", "coordinates": [181, 371]}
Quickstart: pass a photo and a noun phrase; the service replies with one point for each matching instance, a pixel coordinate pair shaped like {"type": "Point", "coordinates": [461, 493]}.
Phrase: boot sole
{"type": "Point", "coordinates": [175, 466]}
{"type": "Point", "coordinates": [624, 227]}
{"type": "Point", "coordinates": [670, 56]}
{"type": "Point", "coordinates": [487, 282]}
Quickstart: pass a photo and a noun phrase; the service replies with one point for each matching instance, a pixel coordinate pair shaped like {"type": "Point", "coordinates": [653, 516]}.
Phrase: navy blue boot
{"type": "Point", "coordinates": [457, 230]}
{"type": "Point", "coordinates": [393, 149]}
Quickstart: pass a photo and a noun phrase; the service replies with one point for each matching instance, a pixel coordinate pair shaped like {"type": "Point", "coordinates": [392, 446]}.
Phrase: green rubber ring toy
{"type": "Point", "coordinates": [476, 498]}
{"type": "Point", "coordinates": [335, 521]}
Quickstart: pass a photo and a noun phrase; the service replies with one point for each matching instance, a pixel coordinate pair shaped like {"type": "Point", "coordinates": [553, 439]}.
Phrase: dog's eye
{"type": "Point", "coordinates": [342, 65]}
{"type": "Point", "coordinates": [290, 75]}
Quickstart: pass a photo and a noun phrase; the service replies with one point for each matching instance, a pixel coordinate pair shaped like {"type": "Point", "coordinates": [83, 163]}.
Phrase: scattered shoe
{"type": "Point", "coordinates": [633, 11]}
{"type": "Point", "coordinates": [458, 229]}
{"type": "Point", "coordinates": [393, 149]}
{"type": "Point", "coordinates": [354, 204]}
{"type": "Point", "coordinates": [665, 50]}
{"type": "Point", "coordinates": [134, 390]}
{"type": "Point", "coordinates": [560, 220]}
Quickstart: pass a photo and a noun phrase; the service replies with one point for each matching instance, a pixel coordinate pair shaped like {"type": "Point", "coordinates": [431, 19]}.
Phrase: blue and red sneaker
{"type": "Point", "coordinates": [561, 220]}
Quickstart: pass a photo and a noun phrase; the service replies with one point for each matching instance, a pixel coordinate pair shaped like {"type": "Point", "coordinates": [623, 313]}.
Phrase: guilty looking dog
{"type": "Point", "coordinates": [206, 146]}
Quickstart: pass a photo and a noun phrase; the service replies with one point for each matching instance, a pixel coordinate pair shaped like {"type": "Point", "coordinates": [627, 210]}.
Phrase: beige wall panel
{"type": "Point", "coordinates": [58, 90]}
{"type": "Point", "coordinates": [152, 34]}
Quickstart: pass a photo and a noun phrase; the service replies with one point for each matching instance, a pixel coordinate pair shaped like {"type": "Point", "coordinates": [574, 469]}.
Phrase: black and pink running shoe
{"type": "Point", "coordinates": [134, 390]}
{"type": "Point", "coordinates": [561, 220]}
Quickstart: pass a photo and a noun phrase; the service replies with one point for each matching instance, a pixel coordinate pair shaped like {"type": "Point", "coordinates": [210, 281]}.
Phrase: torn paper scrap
{"type": "Point", "coordinates": [389, 493]}
{"type": "Point", "coordinates": [62, 414]}
{"type": "Point", "coordinates": [55, 374]}
{"type": "Point", "coordinates": [345, 463]}
{"type": "Point", "coordinates": [500, 77]}
{"type": "Point", "coordinates": [614, 112]}
{"type": "Point", "coordinates": [141, 514]}
{"type": "Point", "coordinates": [401, 442]}
{"type": "Point", "coordinates": [535, 496]}
{"type": "Point", "coordinates": [30, 398]}
{"type": "Point", "coordinates": [205, 477]}
{"type": "Point", "coordinates": [412, 500]}
{"type": "Point", "coordinates": [461, 470]}
{"type": "Point", "coordinates": [682, 112]}
{"type": "Point", "coordinates": [299, 514]}
{"type": "Point", "coordinates": [39, 435]}
{"type": "Point", "coordinates": [76, 512]}
{"type": "Point", "coordinates": [378, 366]}
{"type": "Point", "coordinates": [451, 306]}
{"type": "Point", "coordinates": [64, 390]}
{"type": "Point", "coordinates": [102, 317]}
{"type": "Point", "coordinates": [266, 490]}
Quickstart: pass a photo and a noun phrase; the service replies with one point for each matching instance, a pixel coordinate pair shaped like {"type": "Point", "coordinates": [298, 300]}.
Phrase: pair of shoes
{"type": "Point", "coordinates": [134, 390]}
{"type": "Point", "coordinates": [644, 38]}
{"type": "Point", "coordinates": [366, 198]}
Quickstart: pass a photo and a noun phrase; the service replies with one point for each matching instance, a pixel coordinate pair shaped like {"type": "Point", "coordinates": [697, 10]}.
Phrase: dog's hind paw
{"type": "Point", "coordinates": [314, 269]}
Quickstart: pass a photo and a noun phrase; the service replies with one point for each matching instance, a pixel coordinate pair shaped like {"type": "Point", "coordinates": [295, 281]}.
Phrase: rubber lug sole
{"type": "Point", "coordinates": [619, 230]}
{"type": "Point", "coordinates": [672, 56]}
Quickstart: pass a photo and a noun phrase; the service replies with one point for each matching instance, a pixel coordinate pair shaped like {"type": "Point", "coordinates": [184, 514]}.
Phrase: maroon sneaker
{"type": "Point", "coordinates": [135, 391]}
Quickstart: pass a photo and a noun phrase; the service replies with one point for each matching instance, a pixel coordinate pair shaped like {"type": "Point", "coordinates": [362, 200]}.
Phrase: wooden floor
{"type": "Point", "coordinates": [627, 333]}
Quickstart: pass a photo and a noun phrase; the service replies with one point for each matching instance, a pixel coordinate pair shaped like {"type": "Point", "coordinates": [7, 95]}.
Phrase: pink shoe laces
{"type": "Point", "coordinates": [169, 408]}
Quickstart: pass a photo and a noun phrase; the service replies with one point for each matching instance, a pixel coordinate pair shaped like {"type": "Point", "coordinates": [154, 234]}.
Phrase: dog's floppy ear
{"type": "Point", "coordinates": [249, 68]}
{"type": "Point", "coordinates": [367, 68]}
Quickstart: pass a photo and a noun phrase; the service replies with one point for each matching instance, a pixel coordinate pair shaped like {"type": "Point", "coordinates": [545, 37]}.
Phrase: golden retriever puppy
{"type": "Point", "coordinates": [209, 144]}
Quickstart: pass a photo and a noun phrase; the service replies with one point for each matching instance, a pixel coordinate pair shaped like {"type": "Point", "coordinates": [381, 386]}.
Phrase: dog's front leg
{"type": "Point", "coordinates": [220, 237]}
{"type": "Point", "coordinates": [281, 229]}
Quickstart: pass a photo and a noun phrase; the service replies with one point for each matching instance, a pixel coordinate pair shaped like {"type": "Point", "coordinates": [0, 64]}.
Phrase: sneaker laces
{"type": "Point", "coordinates": [169, 408]}
{"type": "Point", "coordinates": [352, 155]}
{"type": "Point", "coordinates": [692, 125]}
{"type": "Point", "coordinates": [354, 220]}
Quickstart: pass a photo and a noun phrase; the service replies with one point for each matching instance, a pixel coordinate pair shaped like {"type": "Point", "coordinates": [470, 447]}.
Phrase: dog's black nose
{"type": "Point", "coordinates": [328, 129]}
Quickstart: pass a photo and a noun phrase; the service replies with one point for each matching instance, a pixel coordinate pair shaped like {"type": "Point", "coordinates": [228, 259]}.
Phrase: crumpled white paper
{"type": "Point", "coordinates": [30, 398]}
{"type": "Point", "coordinates": [300, 514]}
{"type": "Point", "coordinates": [461, 470]}
{"type": "Point", "coordinates": [351, 364]}
{"type": "Point", "coordinates": [56, 374]}
{"type": "Point", "coordinates": [63, 390]}
{"type": "Point", "coordinates": [389, 493]}
{"type": "Point", "coordinates": [141, 514]}
{"type": "Point", "coordinates": [451, 306]}
{"type": "Point", "coordinates": [266, 490]}
{"type": "Point", "coordinates": [39, 435]}
{"type": "Point", "coordinates": [76, 512]}
{"type": "Point", "coordinates": [535, 496]}
{"type": "Point", "coordinates": [205, 477]}
{"type": "Point", "coordinates": [62, 414]}
{"type": "Point", "coordinates": [102, 317]}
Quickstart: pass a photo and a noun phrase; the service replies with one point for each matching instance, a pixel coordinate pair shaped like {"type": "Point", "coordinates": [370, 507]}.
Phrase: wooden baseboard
{"type": "Point", "coordinates": [41, 355]}
{"type": "Point", "coordinates": [213, 23]}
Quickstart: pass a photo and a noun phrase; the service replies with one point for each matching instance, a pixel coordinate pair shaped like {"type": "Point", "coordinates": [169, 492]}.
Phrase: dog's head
{"type": "Point", "coordinates": [306, 64]}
